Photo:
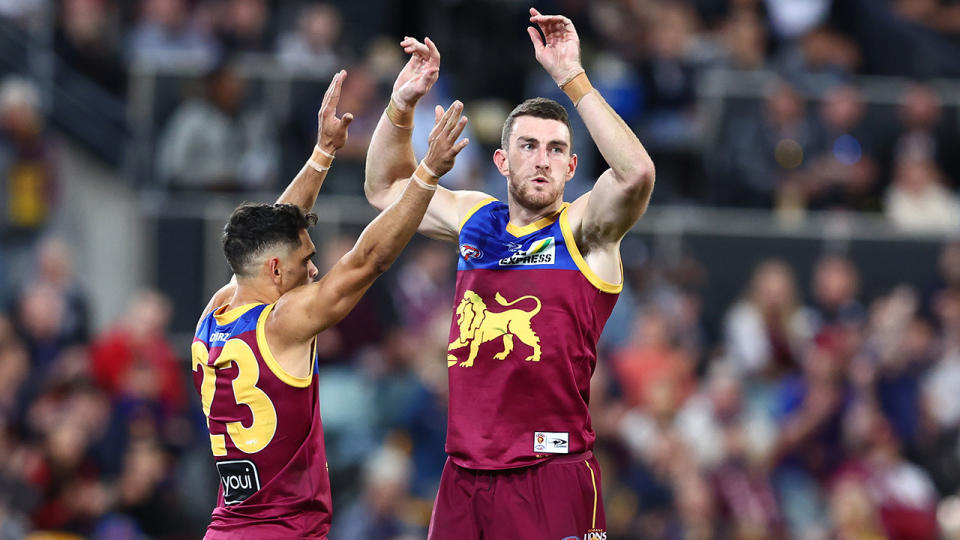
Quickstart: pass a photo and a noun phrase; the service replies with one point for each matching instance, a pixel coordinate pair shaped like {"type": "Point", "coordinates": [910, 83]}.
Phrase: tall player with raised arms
{"type": "Point", "coordinates": [254, 349]}
{"type": "Point", "coordinates": [536, 281]}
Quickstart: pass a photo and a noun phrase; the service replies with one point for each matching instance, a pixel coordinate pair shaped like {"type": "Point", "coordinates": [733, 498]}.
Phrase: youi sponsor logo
{"type": "Point", "coordinates": [240, 480]}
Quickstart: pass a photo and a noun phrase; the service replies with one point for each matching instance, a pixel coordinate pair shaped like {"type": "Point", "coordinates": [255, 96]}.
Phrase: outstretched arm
{"type": "Point", "coordinates": [622, 193]}
{"type": "Point", "coordinates": [331, 136]}
{"type": "Point", "coordinates": [304, 188]}
{"type": "Point", "coordinates": [305, 311]}
{"type": "Point", "coordinates": [390, 158]}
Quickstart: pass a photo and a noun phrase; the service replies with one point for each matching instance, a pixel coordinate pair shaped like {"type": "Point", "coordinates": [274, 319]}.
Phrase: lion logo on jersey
{"type": "Point", "coordinates": [479, 325]}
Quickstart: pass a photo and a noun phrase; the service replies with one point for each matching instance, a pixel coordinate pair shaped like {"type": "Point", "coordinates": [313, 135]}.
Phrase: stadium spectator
{"type": "Point", "coordinates": [744, 37]}
{"type": "Point", "coordinates": [87, 42]}
{"type": "Point", "coordinates": [762, 151]}
{"type": "Point", "coordinates": [382, 511]}
{"type": "Point", "coordinates": [213, 143]}
{"type": "Point", "coordinates": [902, 494]}
{"type": "Point", "coordinates": [651, 359]}
{"type": "Point", "coordinates": [314, 45]}
{"type": "Point", "coordinates": [809, 409]}
{"type": "Point", "coordinates": [244, 26]}
{"type": "Point", "coordinates": [836, 285]}
{"type": "Point", "coordinates": [165, 32]}
{"type": "Point", "coordinates": [899, 345]}
{"type": "Point", "coordinates": [843, 170]}
{"type": "Point", "coordinates": [28, 184]}
{"type": "Point", "coordinates": [54, 267]}
{"type": "Point", "coordinates": [923, 133]}
{"type": "Point", "coordinates": [670, 126]}
{"type": "Point", "coordinates": [14, 368]}
{"type": "Point", "coordinates": [767, 331]}
{"type": "Point", "coordinates": [918, 199]}
{"type": "Point", "coordinates": [134, 359]}
{"type": "Point", "coordinates": [39, 317]}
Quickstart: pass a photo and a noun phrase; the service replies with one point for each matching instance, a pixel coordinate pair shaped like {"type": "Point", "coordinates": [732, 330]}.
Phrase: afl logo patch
{"type": "Point", "coordinates": [468, 252]}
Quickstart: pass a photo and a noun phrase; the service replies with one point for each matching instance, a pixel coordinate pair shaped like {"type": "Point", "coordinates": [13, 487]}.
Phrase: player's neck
{"type": "Point", "coordinates": [521, 216]}
{"type": "Point", "coordinates": [251, 292]}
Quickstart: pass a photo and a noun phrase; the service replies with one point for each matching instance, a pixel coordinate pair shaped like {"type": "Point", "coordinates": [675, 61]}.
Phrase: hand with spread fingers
{"type": "Point", "coordinates": [332, 131]}
{"type": "Point", "coordinates": [418, 76]}
{"type": "Point", "coordinates": [559, 54]}
{"type": "Point", "coordinates": [444, 147]}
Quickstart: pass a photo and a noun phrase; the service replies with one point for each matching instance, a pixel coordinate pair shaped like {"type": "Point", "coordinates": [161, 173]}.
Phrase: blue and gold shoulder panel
{"type": "Point", "coordinates": [489, 241]}
{"type": "Point", "coordinates": [220, 325]}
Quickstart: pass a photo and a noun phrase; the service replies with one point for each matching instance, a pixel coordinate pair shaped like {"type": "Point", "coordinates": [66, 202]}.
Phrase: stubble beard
{"type": "Point", "coordinates": [525, 194]}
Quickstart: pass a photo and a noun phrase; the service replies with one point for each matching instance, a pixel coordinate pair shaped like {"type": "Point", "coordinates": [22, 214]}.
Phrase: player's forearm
{"type": "Point", "coordinates": [387, 235]}
{"type": "Point", "coordinates": [390, 159]}
{"type": "Point", "coordinates": [305, 186]}
{"type": "Point", "coordinates": [617, 143]}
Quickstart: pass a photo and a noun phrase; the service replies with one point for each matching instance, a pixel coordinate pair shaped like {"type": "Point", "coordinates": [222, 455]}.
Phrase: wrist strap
{"type": "Point", "coordinates": [320, 160]}
{"type": "Point", "coordinates": [576, 87]}
{"type": "Point", "coordinates": [424, 185]}
{"type": "Point", "coordinates": [426, 177]}
{"type": "Point", "coordinates": [400, 119]}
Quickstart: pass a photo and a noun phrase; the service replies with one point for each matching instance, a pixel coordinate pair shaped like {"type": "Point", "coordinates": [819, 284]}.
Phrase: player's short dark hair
{"type": "Point", "coordinates": [538, 108]}
{"type": "Point", "coordinates": [255, 228]}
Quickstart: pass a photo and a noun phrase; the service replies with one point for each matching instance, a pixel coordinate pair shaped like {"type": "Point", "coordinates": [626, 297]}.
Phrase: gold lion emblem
{"type": "Point", "coordinates": [479, 325]}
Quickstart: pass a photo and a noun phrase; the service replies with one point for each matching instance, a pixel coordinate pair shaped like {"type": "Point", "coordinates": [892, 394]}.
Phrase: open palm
{"type": "Point", "coordinates": [418, 76]}
{"type": "Point", "coordinates": [332, 132]}
{"type": "Point", "coordinates": [559, 54]}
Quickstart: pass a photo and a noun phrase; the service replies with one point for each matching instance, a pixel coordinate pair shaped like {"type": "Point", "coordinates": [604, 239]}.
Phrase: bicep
{"type": "Point", "coordinates": [610, 209]}
{"type": "Point", "coordinates": [310, 309]}
{"type": "Point", "coordinates": [444, 214]}
{"type": "Point", "coordinates": [447, 212]}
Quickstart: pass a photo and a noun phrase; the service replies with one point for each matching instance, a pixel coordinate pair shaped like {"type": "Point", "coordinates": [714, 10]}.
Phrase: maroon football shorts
{"type": "Point", "coordinates": [559, 499]}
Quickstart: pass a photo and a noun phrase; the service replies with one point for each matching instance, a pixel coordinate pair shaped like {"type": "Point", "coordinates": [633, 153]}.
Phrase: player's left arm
{"type": "Point", "coordinates": [621, 195]}
{"type": "Point", "coordinates": [331, 136]}
{"type": "Point", "coordinates": [305, 186]}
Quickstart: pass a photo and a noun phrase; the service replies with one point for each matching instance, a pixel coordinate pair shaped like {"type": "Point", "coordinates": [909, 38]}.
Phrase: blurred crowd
{"type": "Point", "coordinates": [806, 411]}
{"type": "Point", "coordinates": [813, 135]}
{"type": "Point", "coordinates": [92, 424]}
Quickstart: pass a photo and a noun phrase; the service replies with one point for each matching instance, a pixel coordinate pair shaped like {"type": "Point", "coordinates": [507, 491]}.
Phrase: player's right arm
{"type": "Point", "coordinates": [390, 158]}
{"type": "Point", "coordinates": [306, 311]}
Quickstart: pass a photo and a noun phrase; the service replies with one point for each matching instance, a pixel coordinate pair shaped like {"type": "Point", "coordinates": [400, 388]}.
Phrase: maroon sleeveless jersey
{"type": "Point", "coordinates": [527, 316]}
{"type": "Point", "coordinates": [265, 432]}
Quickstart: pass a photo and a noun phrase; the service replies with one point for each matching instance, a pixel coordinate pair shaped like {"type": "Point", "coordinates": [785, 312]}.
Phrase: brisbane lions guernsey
{"type": "Point", "coordinates": [265, 432]}
{"type": "Point", "coordinates": [523, 340]}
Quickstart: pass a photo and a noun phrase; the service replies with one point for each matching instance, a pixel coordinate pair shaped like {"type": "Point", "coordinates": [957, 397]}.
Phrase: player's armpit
{"type": "Point", "coordinates": [605, 214]}
{"type": "Point", "coordinates": [306, 311]}
{"type": "Point", "coordinates": [445, 214]}
{"type": "Point", "coordinates": [447, 211]}
{"type": "Point", "coordinates": [598, 221]}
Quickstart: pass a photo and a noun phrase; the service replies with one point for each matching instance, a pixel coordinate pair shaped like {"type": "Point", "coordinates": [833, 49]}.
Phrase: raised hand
{"type": "Point", "coordinates": [417, 77]}
{"type": "Point", "coordinates": [332, 131]}
{"type": "Point", "coordinates": [443, 139]}
{"type": "Point", "coordinates": [560, 55]}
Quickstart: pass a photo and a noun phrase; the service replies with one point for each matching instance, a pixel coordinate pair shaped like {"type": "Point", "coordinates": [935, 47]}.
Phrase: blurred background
{"type": "Point", "coordinates": [784, 361]}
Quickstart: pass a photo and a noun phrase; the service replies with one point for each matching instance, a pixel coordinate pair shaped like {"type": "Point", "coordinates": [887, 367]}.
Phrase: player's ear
{"type": "Point", "coordinates": [571, 167]}
{"type": "Point", "coordinates": [500, 160]}
{"type": "Point", "coordinates": [273, 264]}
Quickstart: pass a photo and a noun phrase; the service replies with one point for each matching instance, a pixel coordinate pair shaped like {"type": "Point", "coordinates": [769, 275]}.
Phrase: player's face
{"type": "Point", "coordinates": [300, 268]}
{"type": "Point", "coordinates": [538, 161]}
